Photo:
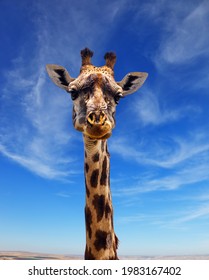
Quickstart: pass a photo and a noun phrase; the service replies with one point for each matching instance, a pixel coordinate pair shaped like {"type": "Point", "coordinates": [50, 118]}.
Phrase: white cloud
{"type": "Point", "coordinates": [186, 161]}
{"type": "Point", "coordinates": [36, 165]}
{"type": "Point", "coordinates": [201, 212]}
{"type": "Point", "coordinates": [170, 182]}
{"type": "Point", "coordinates": [63, 195]}
{"type": "Point", "coordinates": [184, 150]}
{"type": "Point", "coordinates": [150, 111]}
{"type": "Point", "coordinates": [33, 131]}
{"type": "Point", "coordinates": [165, 153]}
{"type": "Point", "coordinates": [131, 219]}
{"type": "Point", "coordinates": [187, 38]}
{"type": "Point", "coordinates": [35, 117]}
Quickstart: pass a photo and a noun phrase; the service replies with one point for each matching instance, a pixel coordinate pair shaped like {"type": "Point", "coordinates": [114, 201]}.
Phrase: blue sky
{"type": "Point", "coordinates": [159, 148]}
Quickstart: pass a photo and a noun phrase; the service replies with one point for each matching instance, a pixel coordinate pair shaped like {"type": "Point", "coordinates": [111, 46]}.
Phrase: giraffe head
{"type": "Point", "coordinates": [95, 93]}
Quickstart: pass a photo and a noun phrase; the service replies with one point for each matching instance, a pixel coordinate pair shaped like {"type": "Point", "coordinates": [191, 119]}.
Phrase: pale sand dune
{"type": "Point", "coordinates": [10, 255]}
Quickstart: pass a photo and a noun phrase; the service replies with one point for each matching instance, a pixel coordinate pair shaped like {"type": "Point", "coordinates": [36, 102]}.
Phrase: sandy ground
{"type": "Point", "coordinates": [9, 255]}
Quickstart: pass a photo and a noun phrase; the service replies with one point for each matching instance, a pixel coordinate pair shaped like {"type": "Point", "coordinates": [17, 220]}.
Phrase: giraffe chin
{"type": "Point", "coordinates": [100, 132]}
{"type": "Point", "coordinates": [97, 135]}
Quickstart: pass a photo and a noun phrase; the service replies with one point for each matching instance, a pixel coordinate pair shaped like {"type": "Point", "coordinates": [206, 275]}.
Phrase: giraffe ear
{"type": "Point", "coordinates": [132, 82]}
{"type": "Point", "coordinates": [59, 75]}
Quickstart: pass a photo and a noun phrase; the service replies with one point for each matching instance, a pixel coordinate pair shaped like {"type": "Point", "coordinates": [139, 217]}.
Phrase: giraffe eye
{"type": "Point", "coordinates": [74, 94]}
{"type": "Point", "coordinates": [117, 97]}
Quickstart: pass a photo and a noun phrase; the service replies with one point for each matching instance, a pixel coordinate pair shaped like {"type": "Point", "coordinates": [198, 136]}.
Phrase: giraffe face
{"type": "Point", "coordinates": [95, 93]}
{"type": "Point", "coordinates": [95, 96]}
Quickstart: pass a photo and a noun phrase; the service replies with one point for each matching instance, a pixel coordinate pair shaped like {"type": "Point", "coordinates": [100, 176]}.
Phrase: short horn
{"type": "Point", "coordinates": [86, 55]}
{"type": "Point", "coordinates": [110, 58]}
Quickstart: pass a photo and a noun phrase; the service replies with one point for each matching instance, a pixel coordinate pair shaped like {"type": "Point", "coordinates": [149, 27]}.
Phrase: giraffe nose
{"type": "Point", "coordinates": [96, 118]}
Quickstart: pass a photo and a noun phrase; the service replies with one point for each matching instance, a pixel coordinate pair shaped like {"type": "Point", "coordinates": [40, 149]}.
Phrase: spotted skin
{"type": "Point", "coordinates": [103, 241]}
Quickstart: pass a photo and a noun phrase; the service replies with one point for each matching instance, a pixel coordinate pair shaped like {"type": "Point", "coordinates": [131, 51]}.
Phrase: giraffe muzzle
{"type": "Point", "coordinates": [97, 118]}
{"type": "Point", "coordinates": [97, 125]}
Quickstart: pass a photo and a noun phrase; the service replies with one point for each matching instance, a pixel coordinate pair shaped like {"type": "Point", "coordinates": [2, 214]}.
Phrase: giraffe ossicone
{"type": "Point", "coordinates": [95, 95]}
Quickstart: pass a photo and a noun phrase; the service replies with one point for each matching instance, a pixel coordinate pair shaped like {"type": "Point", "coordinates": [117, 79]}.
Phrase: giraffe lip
{"type": "Point", "coordinates": [106, 136]}
{"type": "Point", "coordinates": [98, 131]}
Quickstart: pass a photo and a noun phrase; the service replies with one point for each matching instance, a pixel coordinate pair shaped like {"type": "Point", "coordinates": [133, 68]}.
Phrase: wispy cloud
{"type": "Point", "coordinates": [186, 162]}
{"type": "Point", "coordinates": [201, 211]}
{"type": "Point", "coordinates": [187, 37]}
{"type": "Point", "coordinates": [131, 219]}
{"type": "Point", "coordinates": [33, 131]}
{"type": "Point", "coordinates": [179, 219]}
{"type": "Point", "coordinates": [36, 116]}
{"type": "Point", "coordinates": [63, 194]}
{"type": "Point", "coordinates": [36, 165]}
{"type": "Point", "coordinates": [165, 153]}
{"type": "Point", "coordinates": [151, 111]}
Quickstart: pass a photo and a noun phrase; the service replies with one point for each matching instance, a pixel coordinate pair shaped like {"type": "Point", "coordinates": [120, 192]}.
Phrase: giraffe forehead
{"type": "Point", "coordinates": [96, 79]}
{"type": "Point", "coordinates": [91, 69]}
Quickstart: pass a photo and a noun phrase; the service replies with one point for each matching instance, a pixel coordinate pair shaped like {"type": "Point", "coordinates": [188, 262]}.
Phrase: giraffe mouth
{"type": "Point", "coordinates": [97, 131]}
{"type": "Point", "coordinates": [97, 137]}
{"type": "Point", "coordinates": [97, 125]}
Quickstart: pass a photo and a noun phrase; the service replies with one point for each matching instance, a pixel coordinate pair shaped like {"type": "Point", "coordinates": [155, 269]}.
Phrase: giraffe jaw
{"type": "Point", "coordinates": [97, 132]}
{"type": "Point", "coordinates": [104, 137]}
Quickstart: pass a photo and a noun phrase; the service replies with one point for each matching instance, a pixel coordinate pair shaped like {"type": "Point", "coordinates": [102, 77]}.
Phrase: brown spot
{"type": "Point", "coordinates": [95, 157]}
{"type": "Point", "coordinates": [103, 179]}
{"type": "Point", "coordinates": [88, 219]}
{"type": "Point", "coordinates": [99, 205]}
{"type": "Point", "coordinates": [88, 254]}
{"type": "Point", "coordinates": [86, 167]}
{"type": "Point", "coordinates": [107, 210]}
{"type": "Point", "coordinates": [94, 178]}
{"type": "Point", "coordinates": [103, 240]}
{"type": "Point", "coordinates": [87, 189]}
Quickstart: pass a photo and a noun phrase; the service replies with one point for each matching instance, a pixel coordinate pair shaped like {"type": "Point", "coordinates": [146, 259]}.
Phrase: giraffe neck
{"type": "Point", "coordinates": [101, 241]}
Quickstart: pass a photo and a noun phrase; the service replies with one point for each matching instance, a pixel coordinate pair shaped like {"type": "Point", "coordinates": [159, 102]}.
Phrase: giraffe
{"type": "Point", "coordinates": [95, 95]}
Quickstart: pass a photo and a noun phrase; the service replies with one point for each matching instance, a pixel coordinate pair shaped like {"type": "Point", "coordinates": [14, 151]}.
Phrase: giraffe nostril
{"type": "Point", "coordinates": [91, 118]}
{"type": "Point", "coordinates": [96, 118]}
{"type": "Point", "coordinates": [102, 118]}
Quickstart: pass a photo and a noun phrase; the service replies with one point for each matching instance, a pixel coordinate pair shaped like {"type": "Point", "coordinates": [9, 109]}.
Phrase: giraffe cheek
{"type": "Point", "coordinates": [79, 123]}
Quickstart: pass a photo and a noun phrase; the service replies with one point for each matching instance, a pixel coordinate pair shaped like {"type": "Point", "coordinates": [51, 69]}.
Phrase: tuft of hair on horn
{"type": "Point", "coordinates": [86, 55]}
{"type": "Point", "coordinates": [110, 58]}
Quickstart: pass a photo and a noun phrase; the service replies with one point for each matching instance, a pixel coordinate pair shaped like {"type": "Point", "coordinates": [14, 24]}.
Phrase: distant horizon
{"type": "Point", "coordinates": [38, 255]}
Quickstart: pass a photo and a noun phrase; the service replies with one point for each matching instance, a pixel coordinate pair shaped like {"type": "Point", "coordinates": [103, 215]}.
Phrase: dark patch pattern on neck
{"type": "Point", "coordinates": [103, 179]}
{"type": "Point", "coordinates": [94, 178]}
{"type": "Point", "coordinates": [88, 218]}
{"type": "Point", "coordinates": [95, 157]}
{"type": "Point", "coordinates": [99, 205]}
{"type": "Point", "coordinates": [103, 240]}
